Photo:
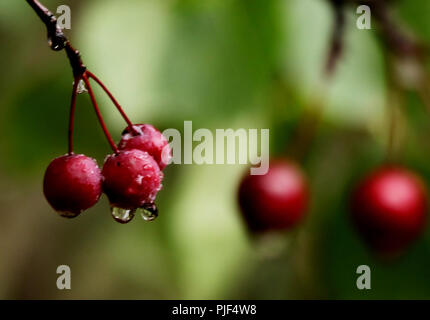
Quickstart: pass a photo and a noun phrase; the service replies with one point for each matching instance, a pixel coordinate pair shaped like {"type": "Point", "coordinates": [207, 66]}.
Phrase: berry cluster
{"type": "Point", "coordinates": [388, 207]}
{"type": "Point", "coordinates": [131, 177]}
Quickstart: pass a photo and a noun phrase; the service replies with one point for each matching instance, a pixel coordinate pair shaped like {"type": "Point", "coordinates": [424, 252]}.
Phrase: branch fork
{"type": "Point", "coordinates": [57, 41]}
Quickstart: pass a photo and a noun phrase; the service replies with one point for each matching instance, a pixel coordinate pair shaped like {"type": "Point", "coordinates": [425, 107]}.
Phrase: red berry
{"type": "Point", "coordinates": [72, 184]}
{"type": "Point", "coordinates": [389, 209]}
{"type": "Point", "coordinates": [276, 200]}
{"type": "Point", "coordinates": [147, 138]}
{"type": "Point", "coordinates": [131, 179]}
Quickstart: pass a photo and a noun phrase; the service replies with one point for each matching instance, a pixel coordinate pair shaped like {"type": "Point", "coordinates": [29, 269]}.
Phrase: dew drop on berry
{"type": "Point", "coordinates": [148, 212]}
{"type": "Point", "coordinates": [122, 215]}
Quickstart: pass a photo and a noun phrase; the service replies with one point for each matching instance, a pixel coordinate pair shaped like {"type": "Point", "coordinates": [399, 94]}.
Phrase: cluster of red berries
{"type": "Point", "coordinates": [131, 177]}
{"type": "Point", "coordinates": [388, 207]}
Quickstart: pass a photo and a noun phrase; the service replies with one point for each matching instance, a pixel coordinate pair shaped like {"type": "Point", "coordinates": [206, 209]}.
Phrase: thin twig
{"type": "Point", "coordinates": [58, 41]}
{"type": "Point", "coordinates": [336, 42]}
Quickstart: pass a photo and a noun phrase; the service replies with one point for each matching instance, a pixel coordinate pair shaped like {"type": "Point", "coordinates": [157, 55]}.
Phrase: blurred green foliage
{"type": "Point", "coordinates": [221, 64]}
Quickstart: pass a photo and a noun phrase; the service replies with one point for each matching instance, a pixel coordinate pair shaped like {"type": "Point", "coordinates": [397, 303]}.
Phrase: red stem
{"type": "Point", "coordinates": [99, 116]}
{"type": "Point", "coordinates": [115, 102]}
{"type": "Point", "coordinates": [72, 113]}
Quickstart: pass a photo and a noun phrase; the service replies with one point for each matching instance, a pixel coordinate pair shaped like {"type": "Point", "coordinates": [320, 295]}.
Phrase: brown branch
{"type": "Point", "coordinates": [56, 39]}
{"type": "Point", "coordinates": [336, 43]}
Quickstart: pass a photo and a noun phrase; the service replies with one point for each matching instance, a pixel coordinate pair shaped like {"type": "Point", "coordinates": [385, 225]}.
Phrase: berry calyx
{"type": "Point", "coordinates": [275, 201]}
{"type": "Point", "coordinates": [389, 209]}
{"type": "Point", "coordinates": [72, 184]}
{"type": "Point", "coordinates": [146, 137]}
{"type": "Point", "coordinates": [132, 179]}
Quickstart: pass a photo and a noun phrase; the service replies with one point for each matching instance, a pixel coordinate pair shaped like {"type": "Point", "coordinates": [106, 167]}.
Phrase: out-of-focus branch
{"type": "Point", "coordinates": [410, 53]}
{"type": "Point", "coordinates": [398, 41]}
{"type": "Point", "coordinates": [336, 43]}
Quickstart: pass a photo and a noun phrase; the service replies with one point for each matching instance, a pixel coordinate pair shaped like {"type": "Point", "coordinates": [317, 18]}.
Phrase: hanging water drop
{"type": "Point", "coordinates": [122, 215]}
{"type": "Point", "coordinates": [82, 88]}
{"type": "Point", "coordinates": [57, 42]}
{"type": "Point", "coordinates": [148, 212]}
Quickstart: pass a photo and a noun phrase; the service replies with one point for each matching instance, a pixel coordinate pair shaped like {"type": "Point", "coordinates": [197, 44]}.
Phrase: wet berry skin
{"type": "Point", "coordinates": [148, 139]}
{"type": "Point", "coordinates": [389, 209]}
{"type": "Point", "coordinates": [275, 201]}
{"type": "Point", "coordinates": [72, 184]}
{"type": "Point", "coordinates": [132, 178]}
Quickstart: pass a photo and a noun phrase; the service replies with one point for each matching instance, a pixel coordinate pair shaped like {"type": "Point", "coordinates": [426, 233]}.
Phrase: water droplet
{"type": "Point", "coordinates": [139, 179]}
{"type": "Point", "coordinates": [57, 43]}
{"type": "Point", "coordinates": [122, 215]}
{"type": "Point", "coordinates": [68, 214]}
{"type": "Point", "coordinates": [149, 211]}
{"type": "Point", "coordinates": [82, 88]}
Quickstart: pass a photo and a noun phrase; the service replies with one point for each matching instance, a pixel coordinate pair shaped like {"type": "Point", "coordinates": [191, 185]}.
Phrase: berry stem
{"type": "Point", "coordinates": [58, 41]}
{"type": "Point", "coordinates": [72, 113]}
{"type": "Point", "coordinates": [394, 103]}
{"type": "Point", "coordinates": [99, 116]}
{"type": "Point", "coordinates": [115, 102]}
{"type": "Point", "coordinates": [311, 118]}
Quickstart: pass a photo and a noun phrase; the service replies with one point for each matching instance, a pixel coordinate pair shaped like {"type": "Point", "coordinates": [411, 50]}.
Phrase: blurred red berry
{"type": "Point", "coordinates": [274, 201]}
{"type": "Point", "coordinates": [72, 184]}
{"type": "Point", "coordinates": [131, 179]}
{"type": "Point", "coordinates": [389, 209]}
{"type": "Point", "coordinates": [147, 138]}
